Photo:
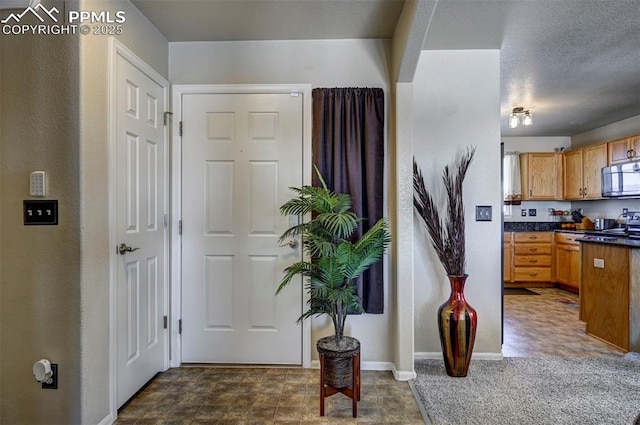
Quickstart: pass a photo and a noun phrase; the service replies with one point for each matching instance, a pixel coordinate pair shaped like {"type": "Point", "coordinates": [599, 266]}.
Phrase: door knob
{"type": "Point", "coordinates": [123, 248]}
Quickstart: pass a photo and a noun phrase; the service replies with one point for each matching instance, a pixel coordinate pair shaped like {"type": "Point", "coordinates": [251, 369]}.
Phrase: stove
{"type": "Point", "coordinates": [633, 224]}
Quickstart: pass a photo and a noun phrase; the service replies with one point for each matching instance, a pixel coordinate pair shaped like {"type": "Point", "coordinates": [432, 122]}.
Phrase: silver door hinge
{"type": "Point", "coordinates": [165, 322]}
{"type": "Point", "coordinates": [166, 117]}
{"type": "Point", "coordinates": [180, 326]}
{"type": "Point", "coordinates": [180, 128]}
{"type": "Point", "coordinates": [180, 227]}
{"type": "Point", "coordinates": [165, 221]}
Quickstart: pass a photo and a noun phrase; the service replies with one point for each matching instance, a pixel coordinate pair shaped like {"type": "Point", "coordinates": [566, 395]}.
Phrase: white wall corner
{"type": "Point", "coordinates": [404, 276]}
{"type": "Point", "coordinates": [403, 375]}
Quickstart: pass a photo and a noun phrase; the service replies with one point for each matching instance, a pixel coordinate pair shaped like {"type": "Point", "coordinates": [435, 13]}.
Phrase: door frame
{"type": "Point", "coordinates": [176, 190]}
{"type": "Point", "coordinates": [116, 49]}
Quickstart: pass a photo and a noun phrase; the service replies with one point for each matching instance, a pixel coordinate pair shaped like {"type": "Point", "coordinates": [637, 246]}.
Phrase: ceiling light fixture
{"type": "Point", "coordinates": [515, 120]}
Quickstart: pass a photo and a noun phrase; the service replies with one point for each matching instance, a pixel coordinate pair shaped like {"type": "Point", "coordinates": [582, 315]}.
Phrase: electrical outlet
{"type": "Point", "coordinates": [54, 383]}
{"type": "Point", "coordinates": [533, 212]}
{"type": "Point", "coordinates": [523, 213]}
{"type": "Point", "coordinates": [625, 211]}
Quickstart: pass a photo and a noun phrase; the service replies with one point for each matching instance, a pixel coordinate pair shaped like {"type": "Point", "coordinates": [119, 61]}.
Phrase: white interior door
{"type": "Point", "coordinates": [240, 153]}
{"type": "Point", "coordinates": [141, 203]}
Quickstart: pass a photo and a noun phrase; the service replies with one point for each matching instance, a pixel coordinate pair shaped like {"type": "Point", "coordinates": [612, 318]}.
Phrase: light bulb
{"type": "Point", "coordinates": [513, 120]}
{"type": "Point", "coordinates": [528, 119]}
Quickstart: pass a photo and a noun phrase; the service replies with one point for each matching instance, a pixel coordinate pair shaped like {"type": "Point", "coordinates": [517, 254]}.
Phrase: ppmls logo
{"type": "Point", "coordinates": [34, 11]}
{"type": "Point", "coordinates": [12, 24]}
{"type": "Point", "coordinates": [99, 23]}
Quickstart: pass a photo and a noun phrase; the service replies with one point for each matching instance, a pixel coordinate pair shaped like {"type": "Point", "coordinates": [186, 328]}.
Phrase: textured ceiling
{"type": "Point", "coordinates": [574, 63]}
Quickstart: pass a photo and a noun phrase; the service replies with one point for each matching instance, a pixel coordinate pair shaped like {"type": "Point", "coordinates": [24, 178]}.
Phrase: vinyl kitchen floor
{"type": "Point", "coordinates": [547, 325]}
{"type": "Point", "coordinates": [534, 326]}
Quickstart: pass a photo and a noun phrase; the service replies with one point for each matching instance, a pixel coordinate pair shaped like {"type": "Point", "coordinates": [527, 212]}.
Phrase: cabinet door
{"type": "Point", "coordinates": [618, 151]}
{"type": "Point", "coordinates": [508, 266]}
{"type": "Point", "coordinates": [593, 159]}
{"type": "Point", "coordinates": [541, 176]}
{"type": "Point", "coordinates": [563, 264]}
{"type": "Point", "coordinates": [634, 146]}
{"type": "Point", "coordinates": [573, 174]}
{"type": "Point", "coordinates": [574, 267]}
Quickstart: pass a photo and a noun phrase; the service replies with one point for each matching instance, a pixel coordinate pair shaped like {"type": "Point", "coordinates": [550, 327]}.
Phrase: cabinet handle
{"type": "Point", "coordinates": [530, 192]}
{"type": "Point", "coordinates": [533, 274]}
{"type": "Point", "coordinates": [533, 261]}
{"type": "Point", "coordinates": [628, 153]}
{"type": "Point", "coordinates": [633, 153]}
{"type": "Point", "coordinates": [580, 191]}
{"type": "Point", "coordinates": [533, 237]}
{"type": "Point", "coordinates": [533, 249]}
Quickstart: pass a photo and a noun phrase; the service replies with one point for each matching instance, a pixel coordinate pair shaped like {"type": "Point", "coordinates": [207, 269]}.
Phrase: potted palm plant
{"type": "Point", "coordinates": [457, 320]}
{"type": "Point", "coordinates": [334, 258]}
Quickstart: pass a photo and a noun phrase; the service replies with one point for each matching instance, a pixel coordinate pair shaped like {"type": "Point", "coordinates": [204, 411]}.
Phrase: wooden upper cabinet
{"type": "Point", "coordinates": [624, 150]}
{"type": "Point", "coordinates": [573, 174]}
{"type": "Point", "coordinates": [594, 158]}
{"type": "Point", "coordinates": [541, 176]}
{"type": "Point", "coordinates": [582, 172]}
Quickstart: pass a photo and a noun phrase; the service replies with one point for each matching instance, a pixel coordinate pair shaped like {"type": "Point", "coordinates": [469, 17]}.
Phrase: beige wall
{"type": "Point", "coordinates": [55, 279]}
{"type": "Point", "coordinates": [456, 104]}
{"type": "Point", "coordinates": [40, 281]}
{"type": "Point", "coordinates": [608, 132]}
{"type": "Point", "coordinates": [321, 63]}
{"type": "Point", "coordinates": [151, 46]}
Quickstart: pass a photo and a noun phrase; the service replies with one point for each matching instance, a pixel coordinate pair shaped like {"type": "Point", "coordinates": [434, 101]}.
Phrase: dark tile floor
{"type": "Point", "coordinates": [534, 326]}
{"type": "Point", "coordinates": [239, 396]}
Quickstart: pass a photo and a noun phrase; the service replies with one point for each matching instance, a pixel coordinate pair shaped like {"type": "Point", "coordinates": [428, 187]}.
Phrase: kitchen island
{"type": "Point", "coordinates": [610, 289]}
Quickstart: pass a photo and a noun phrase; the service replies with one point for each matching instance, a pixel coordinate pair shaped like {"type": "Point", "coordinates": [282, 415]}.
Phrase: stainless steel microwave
{"type": "Point", "coordinates": [622, 180]}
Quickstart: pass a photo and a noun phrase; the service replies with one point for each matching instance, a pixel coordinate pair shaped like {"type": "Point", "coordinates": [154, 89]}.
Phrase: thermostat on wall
{"type": "Point", "coordinates": [37, 184]}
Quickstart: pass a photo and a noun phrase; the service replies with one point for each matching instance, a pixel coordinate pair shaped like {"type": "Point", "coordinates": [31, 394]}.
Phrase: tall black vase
{"type": "Point", "coordinates": [457, 323]}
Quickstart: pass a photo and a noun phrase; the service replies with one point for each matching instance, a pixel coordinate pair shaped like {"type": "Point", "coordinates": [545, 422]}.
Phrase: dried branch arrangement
{"type": "Point", "coordinates": [447, 233]}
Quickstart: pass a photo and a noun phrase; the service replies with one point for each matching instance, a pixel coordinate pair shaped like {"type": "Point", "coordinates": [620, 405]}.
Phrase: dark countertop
{"type": "Point", "coordinates": [590, 236]}
{"type": "Point", "coordinates": [610, 240]}
{"type": "Point", "coordinates": [531, 226]}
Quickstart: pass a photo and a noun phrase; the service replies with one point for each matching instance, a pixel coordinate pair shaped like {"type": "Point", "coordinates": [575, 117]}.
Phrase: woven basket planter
{"type": "Point", "coordinates": [338, 360]}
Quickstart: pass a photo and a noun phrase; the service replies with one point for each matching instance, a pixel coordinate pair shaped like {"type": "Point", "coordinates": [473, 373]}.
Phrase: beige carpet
{"type": "Point", "coordinates": [532, 391]}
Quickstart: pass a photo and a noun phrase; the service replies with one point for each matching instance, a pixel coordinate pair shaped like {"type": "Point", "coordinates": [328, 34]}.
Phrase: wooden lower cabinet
{"type": "Point", "coordinates": [532, 257]}
{"type": "Point", "coordinates": [604, 299]}
{"type": "Point", "coordinates": [567, 257]}
{"type": "Point", "coordinates": [507, 256]}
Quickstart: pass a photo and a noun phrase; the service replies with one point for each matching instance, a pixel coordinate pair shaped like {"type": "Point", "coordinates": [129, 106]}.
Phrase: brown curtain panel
{"type": "Point", "coordinates": [348, 149]}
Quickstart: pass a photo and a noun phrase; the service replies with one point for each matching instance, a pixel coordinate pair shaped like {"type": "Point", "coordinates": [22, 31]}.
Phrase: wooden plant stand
{"type": "Point", "coordinates": [339, 369]}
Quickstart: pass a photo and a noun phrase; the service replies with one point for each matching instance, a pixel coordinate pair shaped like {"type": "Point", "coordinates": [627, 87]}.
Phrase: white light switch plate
{"type": "Point", "coordinates": [598, 263]}
{"type": "Point", "coordinates": [37, 185]}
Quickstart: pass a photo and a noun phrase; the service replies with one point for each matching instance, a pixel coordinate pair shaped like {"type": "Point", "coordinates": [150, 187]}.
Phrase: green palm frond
{"type": "Point", "coordinates": [334, 260]}
{"type": "Point", "coordinates": [339, 224]}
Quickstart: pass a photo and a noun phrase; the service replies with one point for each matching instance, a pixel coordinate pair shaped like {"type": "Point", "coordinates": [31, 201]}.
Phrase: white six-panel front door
{"type": "Point", "coordinates": [240, 153]}
{"type": "Point", "coordinates": [140, 228]}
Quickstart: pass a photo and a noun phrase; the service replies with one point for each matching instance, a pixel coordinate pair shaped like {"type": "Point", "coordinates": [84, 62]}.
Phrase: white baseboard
{"type": "Point", "coordinates": [107, 420]}
{"type": "Point", "coordinates": [403, 375]}
{"type": "Point", "coordinates": [437, 355]}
